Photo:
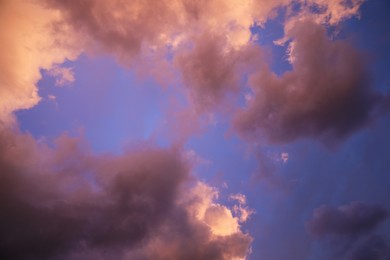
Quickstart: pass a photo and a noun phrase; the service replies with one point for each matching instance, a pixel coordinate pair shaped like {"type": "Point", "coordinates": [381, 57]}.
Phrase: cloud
{"type": "Point", "coordinates": [350, 229]}
{"type": "Point", "coordinates": [212, 231]}
{"type": "Point", "coordinates": [373, 247]}
{"type": "Point", "coordinates": [64, 76]}
{"type": "Point", "coordinates": [203, 38]}
{"type": "Point", "coordinates": [327, 94]}
{"type": "Point", "coordinates": [334, 11]}
{"type": "Point", "coordinates": [208, 41]}
{"type": "Point", "coordinates": [211, 69]}
{"type": "Point", "coordinates": [66, 202]}
{"type": "Point", "coordinates": [349, 220]}
{"type": "Point", "coordinates": [129, 27]}
{"type": "Point", "coordinates": [33, 38]}
{"type": "Point", "coordinates": [125, 28]}
{"type": "Point", "coordinates": [241, 210]}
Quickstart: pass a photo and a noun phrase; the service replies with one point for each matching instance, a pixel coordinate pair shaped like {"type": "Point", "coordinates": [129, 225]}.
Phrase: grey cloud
{"type": "Point", "coordinates": [371, 248]}
{"type": "Point", "coordinates": [349, 220]}
{"type": "Point", "coordinates": [327, 94]}
{"type": "Point", "coordinates": [66, 203]}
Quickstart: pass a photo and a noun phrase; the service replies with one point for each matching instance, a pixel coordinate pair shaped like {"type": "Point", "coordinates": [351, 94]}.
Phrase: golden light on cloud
{"type": "Point", "coordinates": [36, 40]}
{"type": "Point", "coordinates": [221, 220]}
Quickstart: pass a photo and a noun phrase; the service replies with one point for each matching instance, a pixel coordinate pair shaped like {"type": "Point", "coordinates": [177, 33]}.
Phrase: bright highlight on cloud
{"type": "Point", "coordinates": [33, 38]}
{"type": "Point", "coordinates": [215, 63]}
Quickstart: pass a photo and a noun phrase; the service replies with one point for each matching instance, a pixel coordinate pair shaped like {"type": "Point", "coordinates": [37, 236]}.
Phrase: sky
{"type": "Point", "coordinates": [181, 129]}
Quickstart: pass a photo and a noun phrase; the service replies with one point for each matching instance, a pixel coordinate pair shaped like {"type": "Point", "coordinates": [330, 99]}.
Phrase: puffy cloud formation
{"type": "Point", "coordinates": [204, 37]}
{"type": "Point", "coordinates": [348, 220]}
{"type": "Point", "coordinates": [128, 27]}
{"type": "Point", "coordinates": [32, 38]}
{"type": "Point", "coordinates": [327, 93]}
{"type": "Point", "coordinates": [211, 69]}
{"type": "Point", "coordinates": [65, 202]}
{"type": "Point", "coordinates": [209, 41]}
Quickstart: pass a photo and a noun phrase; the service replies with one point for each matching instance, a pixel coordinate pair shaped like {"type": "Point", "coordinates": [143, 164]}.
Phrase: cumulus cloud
{"type": "Point", "coordinates": [121, 28]}
{"type": "Point", "coordinates": [65, 202]}
{"type": "Point", "coordinates": [348, 220]}
{"type": "Point", "coordinates": [166, 23]}
{"type": "Point", "coordinates": [203, 37]}
{"type": "Point", "coordinates": [211, 69]}
{"type": "Point", "coordinates": [327, 93]}
{"type": "Point", "coordinates": [33, 38]}
{"type": "Point", "coordinates": [208, 70]}
{"type": "Point", "coordinates": [207, 40]}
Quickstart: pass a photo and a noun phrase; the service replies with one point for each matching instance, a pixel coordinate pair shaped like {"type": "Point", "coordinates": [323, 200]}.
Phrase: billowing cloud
{"type": "Point", "coordinates": [203, 37]}
{"type": "Point", "coordinates": [211, 69]}
{"type": "Point", "coordinates": [327, 93]}
{"type": "Point", "coordinates": [128, 27]}
{"type": "Point", "coordinates": [65, 202]}
{"type": "Point", "coordinates": [121, 28]}
{"type": "Point", "coordinates": [33, 38]}
{"type": "Point", "coordinates": [348, 220]}
{"type": "Point", "coordinates": [206, 38]}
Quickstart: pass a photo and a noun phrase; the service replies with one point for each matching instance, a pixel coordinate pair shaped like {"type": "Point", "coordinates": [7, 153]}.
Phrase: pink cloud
{"type": "Point", "coordinates": [212, 70]}
{"type": "Point", "coordinates": [67, 202]}
{"type": "Point", "coordinates": [33, 38]}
